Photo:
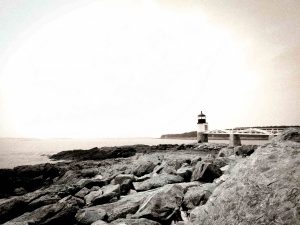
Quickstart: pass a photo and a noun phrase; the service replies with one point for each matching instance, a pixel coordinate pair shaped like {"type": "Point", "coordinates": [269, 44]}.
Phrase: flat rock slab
{"type": "Point", "coordinates": [134, 222]}
{"type": "Point", "coordinates": [157, 181]}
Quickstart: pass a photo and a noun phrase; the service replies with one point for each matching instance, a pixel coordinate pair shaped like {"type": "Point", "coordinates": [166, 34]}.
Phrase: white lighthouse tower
{"type": "Point", "coordinates": [202, 128]}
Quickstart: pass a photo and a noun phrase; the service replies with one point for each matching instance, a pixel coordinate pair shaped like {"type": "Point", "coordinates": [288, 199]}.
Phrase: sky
{"type": "Point", "coordinates": [142, 68]}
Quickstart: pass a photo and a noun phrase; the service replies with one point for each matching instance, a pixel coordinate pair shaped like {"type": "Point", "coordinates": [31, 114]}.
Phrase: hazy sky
{"type": "Point", "coordinates": [105, 68]}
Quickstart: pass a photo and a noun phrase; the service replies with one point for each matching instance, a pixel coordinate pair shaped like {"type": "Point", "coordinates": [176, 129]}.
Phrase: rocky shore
{"type": "Point", "coordinates": [163, 184]}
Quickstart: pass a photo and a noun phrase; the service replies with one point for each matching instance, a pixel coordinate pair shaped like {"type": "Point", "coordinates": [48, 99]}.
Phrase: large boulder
{"type": "Point", "coordinates": [261, 189]}
{"type": "Point", "coordinates": [142, 167]}
{"type": "Point", "coordinates": [163, 205]}
{"type": "Point", "coordinates": [206, 172]}
{"type": "Point", "coordinates": [157, 181]}
{"type": "Point", "coordinates": [197, 195]}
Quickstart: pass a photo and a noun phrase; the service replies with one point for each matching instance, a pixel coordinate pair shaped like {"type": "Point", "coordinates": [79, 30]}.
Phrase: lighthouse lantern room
{"type": "Point", "coordinates": [202, 125]}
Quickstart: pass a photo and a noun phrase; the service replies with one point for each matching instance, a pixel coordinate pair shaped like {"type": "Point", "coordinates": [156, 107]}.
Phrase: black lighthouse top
{"type": "Point", "coordinates": [201, 118]}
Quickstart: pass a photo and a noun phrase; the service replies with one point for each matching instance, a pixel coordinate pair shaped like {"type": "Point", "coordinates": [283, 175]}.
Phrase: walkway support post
{"type": "Point", "coordinates": [202, 137]}
{"type": "Point", "coordinates": [234, 140]}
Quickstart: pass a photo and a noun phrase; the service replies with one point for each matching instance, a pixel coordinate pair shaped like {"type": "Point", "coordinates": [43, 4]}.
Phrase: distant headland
{"type": "Point", "coordinates": [193, 134]}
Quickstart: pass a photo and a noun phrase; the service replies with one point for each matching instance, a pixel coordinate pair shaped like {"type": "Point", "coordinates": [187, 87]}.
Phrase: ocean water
{"type": "Point", "coordinates": [17, 151]}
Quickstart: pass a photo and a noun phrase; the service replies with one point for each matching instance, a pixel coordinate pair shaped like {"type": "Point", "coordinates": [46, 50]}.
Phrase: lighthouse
{"type": "Point", "coordinates": [202, 136]}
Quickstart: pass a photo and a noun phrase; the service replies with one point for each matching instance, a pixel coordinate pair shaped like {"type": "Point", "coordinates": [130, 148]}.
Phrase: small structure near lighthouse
{"type": "Point", "coordinates": [202, 135]}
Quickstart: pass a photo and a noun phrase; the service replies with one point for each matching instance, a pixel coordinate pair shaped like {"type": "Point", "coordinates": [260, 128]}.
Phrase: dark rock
{"type": "Point", "coordinates": [125, 182]}
{"type": "Point", "coordinates": [96, 153]}
{"type": "Point", "coordinates": [245, 150]}
{"type": "Point", "coordinates": [11, 208]}
{"type": "Point", "coordinates": [90, 215]}
{"type": "Point", "coordinates": [62, 212]}
{"type": "Point", "coordinates": [185, 172]}
{"type": "Point", "coordinates": [206, 172]}
{"type": "Point", "coordinates": [27, 178]}
{"type": "Point", "coordinates": [141, 221]}
{"type": "Point", "coordinates": [157, 181]}
{"type": "Point", "coordinates": [163, 205]}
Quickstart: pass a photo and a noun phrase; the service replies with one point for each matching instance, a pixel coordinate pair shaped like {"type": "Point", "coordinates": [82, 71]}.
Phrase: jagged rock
{"type": "Point", "coordinates": [125, 182]}
{"type": "Point", "coordinates": [96, 153]}
{"type": "Point", "coordinates": [90, 215]}
{"type": "Point", "coordinates": [126, 205]}
{"type": "Point", "coordinates": [141, 221]}
{"type": "Point", "coordinates": [110, 193]}
{"type": "Point", "coordinates": [62, 212]}
{"type": "Point", "coordinates": [197, 195]}
{"type": "Point", "coordinates": [163, 205]}
{"type": "Point", "coordinates": [226, 152]}
{"type": "Point", "coordinates": [206, 172]}
{"type": "Point", "coordinates": [89, 198]}
{"type": "Point", "coordinates": [185, 172]}
{"type": "Point", "coordinates": [292, 134]}
{"type": "Point", "coordinates": [143, 167]}
{"type": "Point", "coordinates": [157, 181]}
{"type": "Point", "coordinates": [83, 192]}
{"type": "Point", "coordinates": [46, 199]}
{"type": "Point", "coordinates": [245, 150]}
{"type": "Point", "coordinates": [170, 166]}
{"type": "Point", "coordinates": [195, 160]}
{"type": "Point", "coordinates": [261, 189]}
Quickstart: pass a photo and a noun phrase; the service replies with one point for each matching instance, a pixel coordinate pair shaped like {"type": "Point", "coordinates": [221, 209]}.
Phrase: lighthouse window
{"type": "Point", "coordinates": [205, 127]}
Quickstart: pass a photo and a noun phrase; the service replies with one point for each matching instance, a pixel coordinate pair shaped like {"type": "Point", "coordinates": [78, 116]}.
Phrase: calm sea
{"type": "Point", "coordinates": [16, 152]}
